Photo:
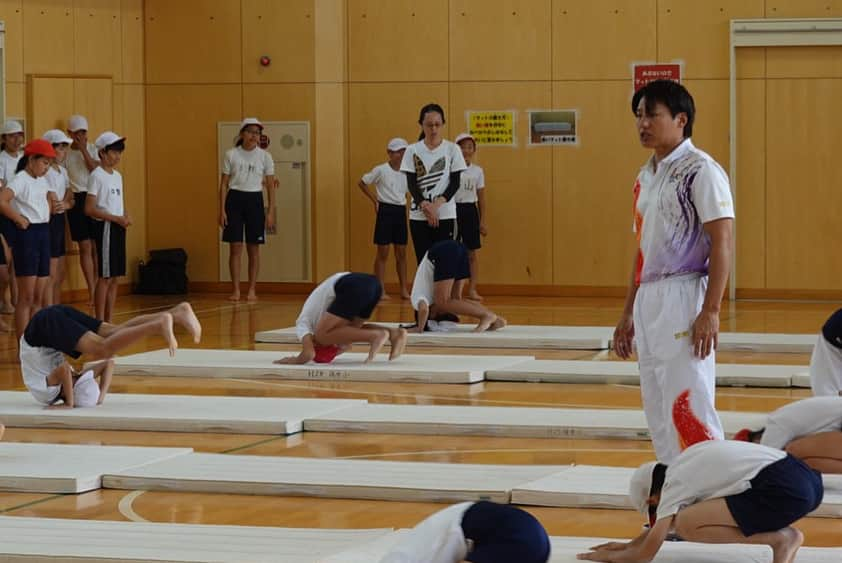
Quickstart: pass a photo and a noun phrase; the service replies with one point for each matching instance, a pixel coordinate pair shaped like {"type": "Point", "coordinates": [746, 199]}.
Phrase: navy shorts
{"type": "Point", "coordinates": [356, 296]}
{"type": "Point", "coordinates": [450, 259]}
{"type": "Point", "coordinates": [467, 225]}
{"type": "Point", "coordinates": [82, 227]}
{"type": "Point", "coordinates": [60, 327]}
{"type": "Point", "coordinates": [57, 236]}
{"type": "Point", "coordinates": [245, 214]}
{"type": "Point", "coordinates": [31, 252]}
{"type": "Point", "coordinates": [8, 229]}
{"type": "Point", "coordinates": [780, 494]}
{"type": "Point", "coordinates": [110, 239]}
{"type": "Point", "coordinates": [390, 227]}
{"type": "Point", "coordinates": [500, 532]}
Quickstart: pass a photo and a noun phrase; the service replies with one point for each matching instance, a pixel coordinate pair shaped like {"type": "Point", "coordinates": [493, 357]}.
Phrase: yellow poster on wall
{"type": "Point", "coordinates": [495, 128]}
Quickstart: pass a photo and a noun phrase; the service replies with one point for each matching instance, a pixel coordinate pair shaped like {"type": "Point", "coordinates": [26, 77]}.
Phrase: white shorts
{"type": "Point", "coordinates": [826, 368]}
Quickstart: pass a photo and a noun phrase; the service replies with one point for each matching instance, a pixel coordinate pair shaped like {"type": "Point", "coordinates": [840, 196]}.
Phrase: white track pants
{"type": "Point", "coordinates": [664, 313]}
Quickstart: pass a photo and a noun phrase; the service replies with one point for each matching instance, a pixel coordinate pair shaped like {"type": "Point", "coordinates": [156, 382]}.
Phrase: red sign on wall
{"type": "Point", "coordinates": [646, 73]}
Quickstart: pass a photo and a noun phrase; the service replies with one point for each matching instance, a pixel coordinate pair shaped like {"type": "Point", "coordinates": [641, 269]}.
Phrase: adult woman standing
{"type": "Point", "coordinates": [246, 170]}
{"type": "Point", "coordinates": [432, 167]}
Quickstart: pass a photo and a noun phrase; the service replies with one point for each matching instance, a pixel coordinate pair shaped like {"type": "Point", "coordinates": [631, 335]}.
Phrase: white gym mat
{"type": "Point", "coordinates": [802, 379]}
{"type": "Point", "coordinates": [767, 342]}
{"type": "Point", "coordinates": [49, 539]}
{"type": "Point", "coordinates": [564, 550]}
{"type": "Point", "coordinates": [627, 373]}
{"type": "Point", "coordinates": [61, 468]}
{"type": "Point", "coordinates": [332, 478]}
{"type": "Point", "coordinates": [518, 422]}
{"type": "Point", "coordinates": [346, 367]}
{"type": "Point", "coordinates": [172, 413]}
{"type": "Point", "coordinates": [589, 486]}
{"type": "Point", "coordinates": [512, 336]}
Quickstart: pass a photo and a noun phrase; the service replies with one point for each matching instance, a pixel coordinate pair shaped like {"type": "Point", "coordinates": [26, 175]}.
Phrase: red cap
{"type": "Point", "coordinates": [39, 147]}
{"type": "Point", "coordinates": [742, 435]}
{"type": "Point", "coordinates": [325, 354]}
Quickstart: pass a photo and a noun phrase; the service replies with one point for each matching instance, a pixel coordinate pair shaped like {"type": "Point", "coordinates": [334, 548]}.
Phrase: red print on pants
{"type": "Point", "coordinates": [690, 429]}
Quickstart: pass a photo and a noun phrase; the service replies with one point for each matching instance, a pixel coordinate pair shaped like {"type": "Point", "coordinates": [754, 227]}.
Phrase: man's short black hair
{"type": "Point", "coordinates": [671, 94]}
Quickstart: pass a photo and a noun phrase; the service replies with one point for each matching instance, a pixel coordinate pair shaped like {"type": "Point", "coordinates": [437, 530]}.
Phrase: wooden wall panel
{"type": "Point", "coordinates": [51, 103]}
{"type": "Point", "coordinates": [400, 40]}
{"type": "Point", "coordinates": [500, 40]}
{"type": "Point", "coordinates": [129, 114]}
{"type": "Point", "coordinates": [93, 98]}
{"type": "Point", "coordinates": [592, 186]}
{"type": "Point", "coordinates": [182, 169]}
{"type": "Point", "coordinates": [132, 41]}
{"type": "Point", "coordinates": [280, 102]}
{"type": "Point", "coordinates": [284, 31]}
{"type": "Point", "coordinates": [803, 196]}
{"type": "Point", "coordinates": [15, 99]}
{"type": "Point", "coordinates": [377, 113]}
{"type": "Point", "coordinates": [11, 13]}
{"type": "Point", "coordinates": [193, 42]}
{"type": "Point", "coordinates": [579, 37]}
{"type": "Point", "coordinates": [519, 195]}
{"type": "Point", "coordinates": [803, 8]}
{"type": "Point", "coordinates": [48, 31]}
{"type": "Point", "coordinates": [97, 38]}
{"type": "Point", "coordinates": [705, 49]}
{"type": "Point", "coordinates": [804, 62]}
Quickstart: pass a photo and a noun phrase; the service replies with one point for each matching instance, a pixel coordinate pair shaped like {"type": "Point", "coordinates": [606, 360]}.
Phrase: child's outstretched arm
{"type": "Point", "coordinates": [104, 370]}
{"type": "Point", "coordinates": [308, 352]}
{"type": "Point", "coordinates": [63, 375]}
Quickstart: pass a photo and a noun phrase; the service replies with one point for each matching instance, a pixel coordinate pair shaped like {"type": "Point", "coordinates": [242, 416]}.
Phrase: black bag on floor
{"type": "Point", "coordinates": [164, 274]}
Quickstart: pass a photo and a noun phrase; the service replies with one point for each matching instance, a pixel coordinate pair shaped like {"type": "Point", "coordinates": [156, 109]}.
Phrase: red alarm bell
{"type": "Point", "coordinates": [265, 60]}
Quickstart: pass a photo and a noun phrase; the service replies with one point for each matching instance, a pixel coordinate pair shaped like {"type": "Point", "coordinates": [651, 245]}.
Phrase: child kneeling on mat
{"type": "Point", "coordinates": [333, 318]}
{"type": "Point", "coordinates": [721, 491]}
{"type": "Point", "coordinates": [438, 286]}
{"type": "Point", "coordinates": [59, 330]}
{"type": "Point", "coordinates": [480, 532]}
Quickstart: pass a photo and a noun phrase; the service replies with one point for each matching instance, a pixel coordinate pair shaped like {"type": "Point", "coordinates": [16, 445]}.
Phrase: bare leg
{"type": "Point", "coordinates": [26, 302]}
{"type": "Point", "coordinates": [400, 266]}
{"type": "Point", "coordinates": [711, 522]}
{"type": "Point", "coordinates": [114, 338]}
{"type": "Point", "coordinates": [48, 289]}
{"type": "Point", "coordinates": [472, 286]}
{"type": "Point", "coordinates": [111, 298]}
{"type": "Point", "coordinates": [235, 250]}
{"type": "Point", "coordinates": [183, 314]}
{"type": "Point", "coordinates": [87, 261]}
{"type": "Point", "coordinates": [100, 298]}
{"type": "Point", "coordinates": [822, 452]}
{"type": "Point", "coordinates": [444, 302]}
{"type": "Point", "coordinates": [254, 268]}
{"type": "Point", "coordinates": [397, 338]}
{"type": "Point", "coordinates": [332, 330]}
{"type": "Point", "coordinates": [13, 281]}
{"type": "Point", "coordinates": [2, 430]}
{"type": "Point", "coordinates": [6, 308]}
{"type": "Point", "coordinates": [61, 268]}
{"type": "Point", "coordinates": [380, 267]}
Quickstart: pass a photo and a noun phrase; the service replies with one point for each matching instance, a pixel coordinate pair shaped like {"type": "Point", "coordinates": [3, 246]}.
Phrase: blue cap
{"type": "Point", "coordinates": [502, 534]}
{"type": "Point", "coordinates": [832, 329]}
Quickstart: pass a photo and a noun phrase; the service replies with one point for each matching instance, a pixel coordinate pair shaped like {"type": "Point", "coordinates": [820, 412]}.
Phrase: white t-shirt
{"type": "Point", "coordinates": [31, 197]}
{"type": "Point", "coordinates": [108, 190]}
{"type": "Point", "coordinates": [713, 469]}
{"type": "Point", "coordinates": [471, 181]}
{"type": "Point", "coordinates": [672, 204]}
{"type": "Point", "coordinates": [36, 365]}
{"type": "Point", "coordinates": [58, 181]}
{"type": "Point", "coordinates": [8, 165]}
{"type": "Point", "coordinates": [390, 184]}
{"type": "Point", "coordinates": [247, 168]}
{"type": "Point", "coordinates": [438, 539]}
{"type": "Point", "coordinates": [77, 170]}
{"type": "Point", "coordinates": [802, 418]}
{"type": "Point", "coordinates": [424, 283]}
{"type": "Point", "coordinates": [316, 305]}
{"type": "Point", "coordinates": [826, 368]}
{"type": "Point", "coordinates": [433, 169]}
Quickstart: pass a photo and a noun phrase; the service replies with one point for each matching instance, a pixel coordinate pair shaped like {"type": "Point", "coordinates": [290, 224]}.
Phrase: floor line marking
{"type": "Point", "coordinates": [125, 507]}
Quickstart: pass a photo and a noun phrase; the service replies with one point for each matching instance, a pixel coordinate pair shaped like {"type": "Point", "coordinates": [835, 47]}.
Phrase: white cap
{"type": "Point", "coordinates": [462, 136]}
{"type": "Point", "coordinates": [397, 144]}
{"type": "Point", "coordinates": [77, 123]}
{"type": "Point", "coordinates": [107, 138]}
{"type": "Point", "coordinates": [641, 484]}
{"type": "Point", "coordinates": [10, 127]}
{"type": "Point", "coordinates": [86, 390]}
{"type": "Point", "coordinates": [56, 136]}
{"type": "Point", "coordinates": [250, 121]}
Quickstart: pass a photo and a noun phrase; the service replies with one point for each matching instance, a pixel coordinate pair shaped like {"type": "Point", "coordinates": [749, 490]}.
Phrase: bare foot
{"type": "Point", "coordinates": [385, 297]}
{"type": "Point", "coordinates": [485, 322]}
{"type": "Point", "coordinates": [183, 314]}
{"type": "Point", "coordinates": [168, 334]}
{"type": "Point", "coordinates": [234, 297]}
{"type": "Point", "coordinates": [787, 544]}
{"type": "Point", "coordinates": [7, 309]}
{"type": "Point", "coordinates": [498, 324]}
{"type": "Point", "coordinates": [474, 296]}
{"type": "Point", "coordinates": [251, 297]}
{"type": "Point", "coordinates": [405, 295]}
{"type": "Point", "coordinates": [377, 344]}
{"type": "Point", "coordinates": [397, 338]}
{"type": "Point", "coordinates": [4, 326]}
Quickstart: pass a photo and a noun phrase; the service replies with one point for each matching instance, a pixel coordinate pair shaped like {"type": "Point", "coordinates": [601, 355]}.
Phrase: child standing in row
{"type": "Point", "coordinates": [390, 209]}
{"type": "Point", "coordinates": [61, 199]}
{"type": "Point", "coordinates": [11, 144]}
{"type": "Point", "coordinates": [470, 209]}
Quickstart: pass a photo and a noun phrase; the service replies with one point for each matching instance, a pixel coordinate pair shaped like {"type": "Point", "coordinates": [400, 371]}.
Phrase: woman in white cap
{"type": "Point", "coordinates": [246, 171]}
{"type": "Point", "coordinates": [81, 160]}
{"type": "Point", "coordinates": [432, 167]}
{"type": "Point", "coordinates": [104, 203]}
{"type": "Point", "coordinates": [721, 491]}
{"type": "Point", "coordinates": [470, 209]}
{"type": "Point", "coordinates": [810, 429]}
{"type": "Point", "coordinates": [11, 151]}
{"type": "Point", "coordinates": [61, 199]}
{"type": "Point", "coordinates": [826, 362]}
{"type": "Point", "coordinates": [390, 210]}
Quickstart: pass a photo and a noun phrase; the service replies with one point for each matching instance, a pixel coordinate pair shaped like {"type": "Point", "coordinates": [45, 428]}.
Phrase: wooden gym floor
{"type": "Point", "coordinates": [233, 326]}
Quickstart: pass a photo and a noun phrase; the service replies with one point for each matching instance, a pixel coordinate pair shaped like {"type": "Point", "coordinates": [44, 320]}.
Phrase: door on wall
{"type": "Point", "coordinates": [286, 255]}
